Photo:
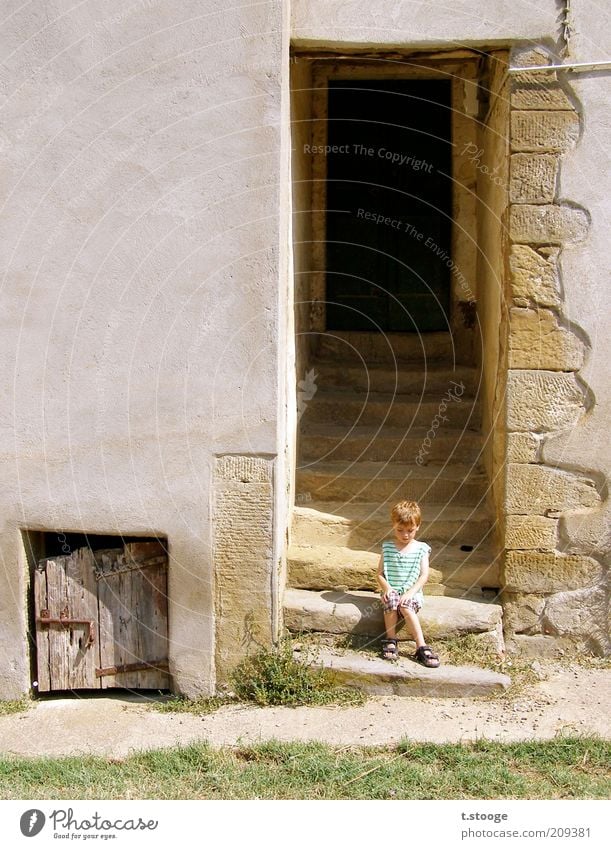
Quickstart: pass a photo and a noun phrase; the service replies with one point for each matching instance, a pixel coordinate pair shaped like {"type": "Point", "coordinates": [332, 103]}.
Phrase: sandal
{"type": "Point", "coordinates": [427, 657]}
{"type": "Point", "coordinates": [389, 650]}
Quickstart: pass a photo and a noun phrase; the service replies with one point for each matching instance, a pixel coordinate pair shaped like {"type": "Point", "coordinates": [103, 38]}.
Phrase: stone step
{"type": "Point", "coordinates": [369, 481]}
{"type": "Point", "coordinates": [383, 408]}
{"type": "Point", "coordinates": [361, 346]}
{"type": "Point", "coordinates": [334, 442]}
{"type": "Point", "coordinates": [433, 382]}
{"type": "Point", "coordinates": [406, 677]}
{"type": "Point", "coordinates": [364, 525]}
{"type": "Point", "coordinates": [453, 572]}
{"type": "Point", "coordinates": [360, 612]}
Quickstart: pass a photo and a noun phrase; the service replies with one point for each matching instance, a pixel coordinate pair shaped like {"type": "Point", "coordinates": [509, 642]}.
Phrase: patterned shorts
{"type": "Point", "coordinates": [392, 603]}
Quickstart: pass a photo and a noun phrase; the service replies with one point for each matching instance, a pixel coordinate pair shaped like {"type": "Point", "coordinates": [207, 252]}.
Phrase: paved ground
{"type": "Point", "coordinates": [568, 701]}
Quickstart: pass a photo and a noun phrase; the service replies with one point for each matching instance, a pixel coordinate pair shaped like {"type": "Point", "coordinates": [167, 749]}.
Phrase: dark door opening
{"type": "Point", "coordinates": [389, 205]}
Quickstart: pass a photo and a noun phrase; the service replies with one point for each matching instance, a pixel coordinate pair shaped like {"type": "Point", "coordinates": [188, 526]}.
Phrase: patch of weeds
{"type": "Point", "coordinates": [521, 672]}
{"type": "Point", "coordinates": [589, 660]}
{"type": "Point", "coordinates": [275, 677]}
{"type": "Point", "coordinates": [200, 706]}
{"type": "Point", "coordinates": [470, 650]}
{"type": "Point", "coordinates": [13, 706]}
{"type": "Point", "coordinates": [358, 642]}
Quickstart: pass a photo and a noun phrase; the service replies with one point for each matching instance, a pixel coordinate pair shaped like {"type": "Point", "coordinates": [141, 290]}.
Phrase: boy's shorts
{"type": "Point", "coordinates": [392, 603]}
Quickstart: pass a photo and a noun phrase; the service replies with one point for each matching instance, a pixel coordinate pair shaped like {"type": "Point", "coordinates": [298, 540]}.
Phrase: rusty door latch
{"type": "Point", "coordinates": [65, 620]}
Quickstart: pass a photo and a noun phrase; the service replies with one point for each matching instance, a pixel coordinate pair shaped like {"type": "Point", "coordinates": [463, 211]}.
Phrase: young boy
{"type": "Point", "coordinates": [402, 572]}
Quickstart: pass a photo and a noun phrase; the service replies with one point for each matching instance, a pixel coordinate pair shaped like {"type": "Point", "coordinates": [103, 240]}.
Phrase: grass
{"type": "Point", "coordinates": [201, 706]}
{"type": "Point", "coordinates": [15, 706]}
{"type": "Point", "coordinates": [566, 768]}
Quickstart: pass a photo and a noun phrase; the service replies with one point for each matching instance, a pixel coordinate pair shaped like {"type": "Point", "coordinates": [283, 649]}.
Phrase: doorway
{"type": "Point", "coordinates": [389, 204]}
{"type": "Point", "coordinates": [384, 199]}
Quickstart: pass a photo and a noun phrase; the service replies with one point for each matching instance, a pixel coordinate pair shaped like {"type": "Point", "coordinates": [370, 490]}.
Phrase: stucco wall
{"type": "Point", "coordinates": [141, 259]}
{"type": "Point", "coordinates": [357, 23]}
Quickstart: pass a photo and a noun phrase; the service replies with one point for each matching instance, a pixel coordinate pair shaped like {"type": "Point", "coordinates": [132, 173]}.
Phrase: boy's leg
{"type": "Point", "coordinates": [427, 657]}
{"type": "Point", "coordinates": [414, 626]}
{"type": "Point", "coordinates": [390, 624]}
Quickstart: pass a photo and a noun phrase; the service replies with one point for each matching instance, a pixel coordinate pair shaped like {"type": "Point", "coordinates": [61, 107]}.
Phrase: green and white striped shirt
{"type": "Point", "coordinates": [402, 569]}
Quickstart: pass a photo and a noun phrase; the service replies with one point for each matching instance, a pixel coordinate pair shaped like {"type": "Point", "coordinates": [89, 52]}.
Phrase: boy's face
{"type": "Point", "coordinates": [405, 531]}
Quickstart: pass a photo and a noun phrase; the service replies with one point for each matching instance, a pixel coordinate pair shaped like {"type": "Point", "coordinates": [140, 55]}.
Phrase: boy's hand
{"type": "Point", "coordinates": [385, 589]}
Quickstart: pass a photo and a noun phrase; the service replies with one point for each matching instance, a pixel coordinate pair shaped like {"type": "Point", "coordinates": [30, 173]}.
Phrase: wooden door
{"type": "Point", "coordinates": [133, 610]}
{"type": "Point", "coordinates": [102, 619]}
{"type": "Point", "coordinates": [66, 604]}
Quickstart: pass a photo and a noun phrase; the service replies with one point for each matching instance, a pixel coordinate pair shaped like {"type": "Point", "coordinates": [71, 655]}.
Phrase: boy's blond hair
{"type": "Point", "coordinates": [406, 513]}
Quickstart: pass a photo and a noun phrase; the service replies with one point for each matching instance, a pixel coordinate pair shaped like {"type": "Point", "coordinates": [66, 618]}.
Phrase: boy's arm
{"type": "Point", "coordinates": [422, 578]}
{"type": "Point", "coordinates": [382, 582]}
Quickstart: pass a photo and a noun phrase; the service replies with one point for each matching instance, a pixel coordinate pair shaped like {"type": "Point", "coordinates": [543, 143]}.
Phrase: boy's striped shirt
{"type": "Point", "coordinates": [403, 570]}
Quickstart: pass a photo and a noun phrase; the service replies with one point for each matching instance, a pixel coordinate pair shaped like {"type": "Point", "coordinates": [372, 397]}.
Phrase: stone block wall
{"type": "Point", "coordinates": [546, 591]}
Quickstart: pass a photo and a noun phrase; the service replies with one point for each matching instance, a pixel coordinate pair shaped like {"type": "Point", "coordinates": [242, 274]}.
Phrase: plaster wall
{"type": "Point", "coordinates": [361, 23]}
{"type": "Point", "coordinates": [141, 304]}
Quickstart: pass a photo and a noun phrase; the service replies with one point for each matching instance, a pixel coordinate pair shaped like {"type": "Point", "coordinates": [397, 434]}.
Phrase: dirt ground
{"type": "Point", "coordinates": [568, 700]}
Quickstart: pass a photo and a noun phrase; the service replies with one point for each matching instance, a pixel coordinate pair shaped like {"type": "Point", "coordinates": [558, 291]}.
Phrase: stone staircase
{"type": "Point", "coordinates": [389, 420]}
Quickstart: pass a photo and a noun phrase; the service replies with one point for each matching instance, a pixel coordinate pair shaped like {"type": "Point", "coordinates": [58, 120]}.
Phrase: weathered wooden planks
{"type": "Point", "coordinates": [122, 592]}
{"type": "Point", "coordinates": [65, 591]}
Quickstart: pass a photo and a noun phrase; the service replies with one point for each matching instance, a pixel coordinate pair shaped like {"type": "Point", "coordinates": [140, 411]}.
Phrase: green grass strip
{"type": "Point", "coordinates": [567, 768]}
